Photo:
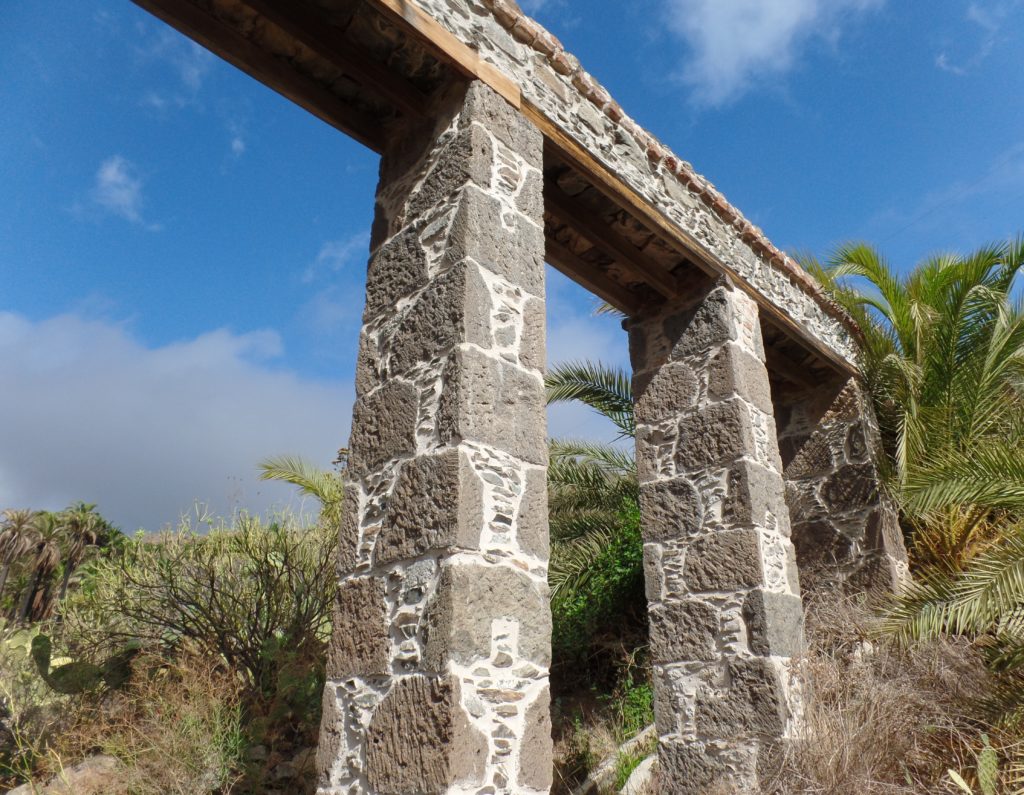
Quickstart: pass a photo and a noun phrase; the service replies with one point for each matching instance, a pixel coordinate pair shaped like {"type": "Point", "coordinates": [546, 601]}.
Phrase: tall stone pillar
{"type": "Point", "coordinates": [846, 532]}
{"type": "Point", "coordinates": [725, 610]}
{"type": "Point", "coordinates": [438, 667]}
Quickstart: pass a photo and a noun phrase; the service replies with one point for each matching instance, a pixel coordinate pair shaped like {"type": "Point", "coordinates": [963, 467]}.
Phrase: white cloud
{"type": "Point", "coordinates": [188, 62]}
{"type": "Point", "coordinates": [237, 146]}
{"type": "Point", "coordinates": [118, 190]}
{"type": "Point", "coordinates": [92, 413]}
{"type": "Point", "coordinates": [334, 255]}
{"type": "Point", "coordinates": [735, 44]}
{"type": "Point", "coordinates": [990, 17]}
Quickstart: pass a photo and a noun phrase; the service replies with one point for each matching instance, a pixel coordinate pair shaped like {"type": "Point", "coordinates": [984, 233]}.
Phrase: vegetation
{"type": "Point", "coordinates": [194, 659]}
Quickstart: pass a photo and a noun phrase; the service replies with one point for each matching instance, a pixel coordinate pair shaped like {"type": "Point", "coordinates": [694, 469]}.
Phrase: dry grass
{"type": "Point", "coordinates": [880, 720]}
{"type": "Point", "coordinates": [176, 730]}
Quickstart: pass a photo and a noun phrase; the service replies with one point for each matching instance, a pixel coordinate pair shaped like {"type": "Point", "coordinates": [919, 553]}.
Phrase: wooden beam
{"type": "Point", "coordinates": [793, 371]}
{"type": "Point", "coordinates": [616, 247]}
{"type": "Point", "coordinates": [560, 257]}
{"type": "Point", "coordinates": [236, 49]}
{"type": "Point", "coordinates": [447, 47]}
{"type": "Point", "coordinates": [314, 30]}
{"type": "Point", "coordinates": [572, 154]}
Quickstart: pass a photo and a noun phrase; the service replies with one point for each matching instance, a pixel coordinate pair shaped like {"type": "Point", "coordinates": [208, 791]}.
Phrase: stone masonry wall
{"type": "Point", "coordinates": [438, 667]}
{"type": "Point", "coordinates": [725, 610]}
{"type": "Point", "coordinates": [554, 81]}
{"type": "Point", "coordinates": [847, 534]}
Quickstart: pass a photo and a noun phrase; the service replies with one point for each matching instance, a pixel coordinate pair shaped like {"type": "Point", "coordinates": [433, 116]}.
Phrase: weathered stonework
{"type": "Point", "coordinates": [437, 673]}
{"type": "Point", "coordinates": [846, 532]}
{"type": "Point", "coordinates": [725, 608]}
{"type": "Point", "coordinates": [555, 82]}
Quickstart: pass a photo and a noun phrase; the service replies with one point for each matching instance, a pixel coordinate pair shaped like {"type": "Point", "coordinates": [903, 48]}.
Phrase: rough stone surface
{"type": "Point", "coordinates": [719, 433]}
{"type": "Point", "coordinates": [397, 269]}
{"type": "Point", "coordinates": [684, 630]}
{"type": "Point", "coordinates": [734, 371]}
{"type": "Point", "coordinates": [671, 509]}
{"type": "Point", "coordinates": [493, 402]}
{"type": "Point", "coordinates": [532, 519]}
{"type": "Point", "coordinates": [728, 560]}
{"type": "Point", "coordinates": [363, 649]}
{"type": "Point", "coordinates": [437, 503]}
{"type": "Point", "coordinates": [672, 388]}
{"type": "Point", "coordinates": [418, 740]}
{"type": "Point", "coordinates": [456, 628]}
{"type": "Point", "coordinates": [753, 702]}
{"type": "Point", "coordinates": [775, 623]}
{"type": "Point", "coordinates": [535, 760]}
{"type": "Point", "coordinates": [384, 425]}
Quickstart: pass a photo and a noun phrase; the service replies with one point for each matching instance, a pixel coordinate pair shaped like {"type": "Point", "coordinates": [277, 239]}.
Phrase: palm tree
{"type": "Point", "coordinates": [46, 556]}
{"type": "Point", "coordinates": [17, 536]}
{"type": "Point", "coordinates": [82, 529]}
{"type": "Point", "coordinates": [325, 486]}
{"type": "Point", "coordinates": [944, 358]}
{"type": "Point", "coordinates": [591, 485]}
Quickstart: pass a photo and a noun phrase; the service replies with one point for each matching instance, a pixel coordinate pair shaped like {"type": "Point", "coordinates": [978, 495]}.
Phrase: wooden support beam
{"type": "Point", "coordinates": [619, 249]}
{"type": "Point", "coordinates": [560, 257]}
{"type": "Point", "coordinates": [236, 49]}
{"type": "Point", "coordinates": [313, 29]}
{"type": "Point", "coordinates": [793, 371]}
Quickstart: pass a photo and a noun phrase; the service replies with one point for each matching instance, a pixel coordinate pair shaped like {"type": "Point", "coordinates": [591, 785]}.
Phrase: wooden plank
{"type": "Point", "coordinates": [560, 257]}
{"type": "Point", "coordinates": [619, 249]}
{"type": "Point", "coordinates": [314, 30]}
{"type": "Point", "coordinates": [570, 152]}
{"type": "Point", "coordinates": [242, 53]}
{"type": "Point", "coordinates": [794, 372]}
{"type": "Point", "coordinates": [447, 47]}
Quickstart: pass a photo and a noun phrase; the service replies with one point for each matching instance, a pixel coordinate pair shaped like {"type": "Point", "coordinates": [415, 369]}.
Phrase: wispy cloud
{"type": "Point", "coordinates": [118, 190]}
{"type": "Point", "coordinates": [335, 255]}
{"type": "Point", "coordinates": [145, 430]}
{"type": "Point", "coordinates": [735, 45]}
{"type": "Point", "coordinates": [189, 64]}
{"type": "Point", "coordinates": [989, 18]}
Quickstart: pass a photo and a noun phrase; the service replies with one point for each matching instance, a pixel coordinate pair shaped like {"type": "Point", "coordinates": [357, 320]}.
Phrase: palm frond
{"type": "Point", "coordinates": [605, 389]}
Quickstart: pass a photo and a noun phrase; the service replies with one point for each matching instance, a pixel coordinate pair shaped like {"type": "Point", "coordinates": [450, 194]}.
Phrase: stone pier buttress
{"type": "Point", "coordinates": [725, 609]}
{"type": "Point", "coordinates": [438, 667]}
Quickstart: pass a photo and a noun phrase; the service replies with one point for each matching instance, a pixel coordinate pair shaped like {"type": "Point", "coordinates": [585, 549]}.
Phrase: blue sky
{"type": "Point", "coordinates": [182, 252]}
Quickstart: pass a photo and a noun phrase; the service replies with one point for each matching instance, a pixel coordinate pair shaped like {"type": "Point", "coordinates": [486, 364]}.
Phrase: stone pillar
{"type": "Point", "coordinates": [438, 667]}
{"type": "Point", "coordinates": [846, 532]}
{"type": "Point", "coordinates": [725, 610]}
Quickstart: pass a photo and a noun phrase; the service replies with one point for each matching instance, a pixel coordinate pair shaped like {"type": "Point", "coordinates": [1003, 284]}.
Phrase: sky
{"type": "Point", "coordinates": [183, 252]}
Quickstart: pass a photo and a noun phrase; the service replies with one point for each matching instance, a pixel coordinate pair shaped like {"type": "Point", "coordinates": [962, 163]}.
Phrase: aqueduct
{"type": "Point", "coordinates": [756, 446]}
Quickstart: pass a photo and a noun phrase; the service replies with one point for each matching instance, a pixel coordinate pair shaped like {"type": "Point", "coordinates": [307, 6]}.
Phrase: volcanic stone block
{"type": "Point", "coordinates": [753, 703]}
{"type": "Point", "coordinates": [688, 767]}
{"type": "Point", "coordinates": [721, 432]}
{"type": "Point", "coordinates": [883, 532]}
{"type": "Point", "coordinates": [857, 449]}
{"type": "Point", "coordinates": [535, 757]}
{"type": "Point", "coordinates": [812, 458]}
{"type": "Point", "coordinates": [437, 503]}
{"type": "Point", "coordinates": [726, 560]}
{"type": "Point", "coordinates": [671, 390]}
{"type": "Point", "coordinates": [384, 425]}
{"type": "Point", "coordinates": [671, 509]}
{"type": "Point", "coordinates": [755, 491]}
{"type": "Point", "coordinates": [532, 519]}
{"type": "Point", "coordinates": [850, 488]}
{"type": "Point", "coordinates": [511, 128]}
{"type": "Point", "coordinates": [469, 597]}
{"type": "Point", "coordinates": [478, 231]}
{"type": "Point", "coordinates": [775, 623]}
{"type": "Point", "coordinates": [532, 350]}
{"type": "Point", "coordinates": [735, 371]}
{"type": "Point", "coordinates": [420, 740]}
{"type": "Point", "coordinates": [359, 644]}
{"type": "Point", "coordinates": [693, 333]}
{"type": "Point", "coordinates": [654, 574]}
{"type": "Point", "coordinates": [875, 572]}
{"type": "Point", "coordinates": [820, 546]}
{"type": "Point", "coordinates": [397, 269]}
{"type": "Point", "coordinates": [455, 308]}
{"type": "Point", "coordinates": [493, 402]}
{"type": "Point", "coordinates": [684, 630]}
{"type": "Point", "coordinates": [332, 725]}
{"type": "Point", "coordinates": [467, 157]}
{"type": "Point", "coordinates": [348, 531]}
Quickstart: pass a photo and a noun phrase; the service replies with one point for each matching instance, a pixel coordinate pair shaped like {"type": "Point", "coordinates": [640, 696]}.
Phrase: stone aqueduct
{"type": "Point", "coordinates": [756, 446]}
